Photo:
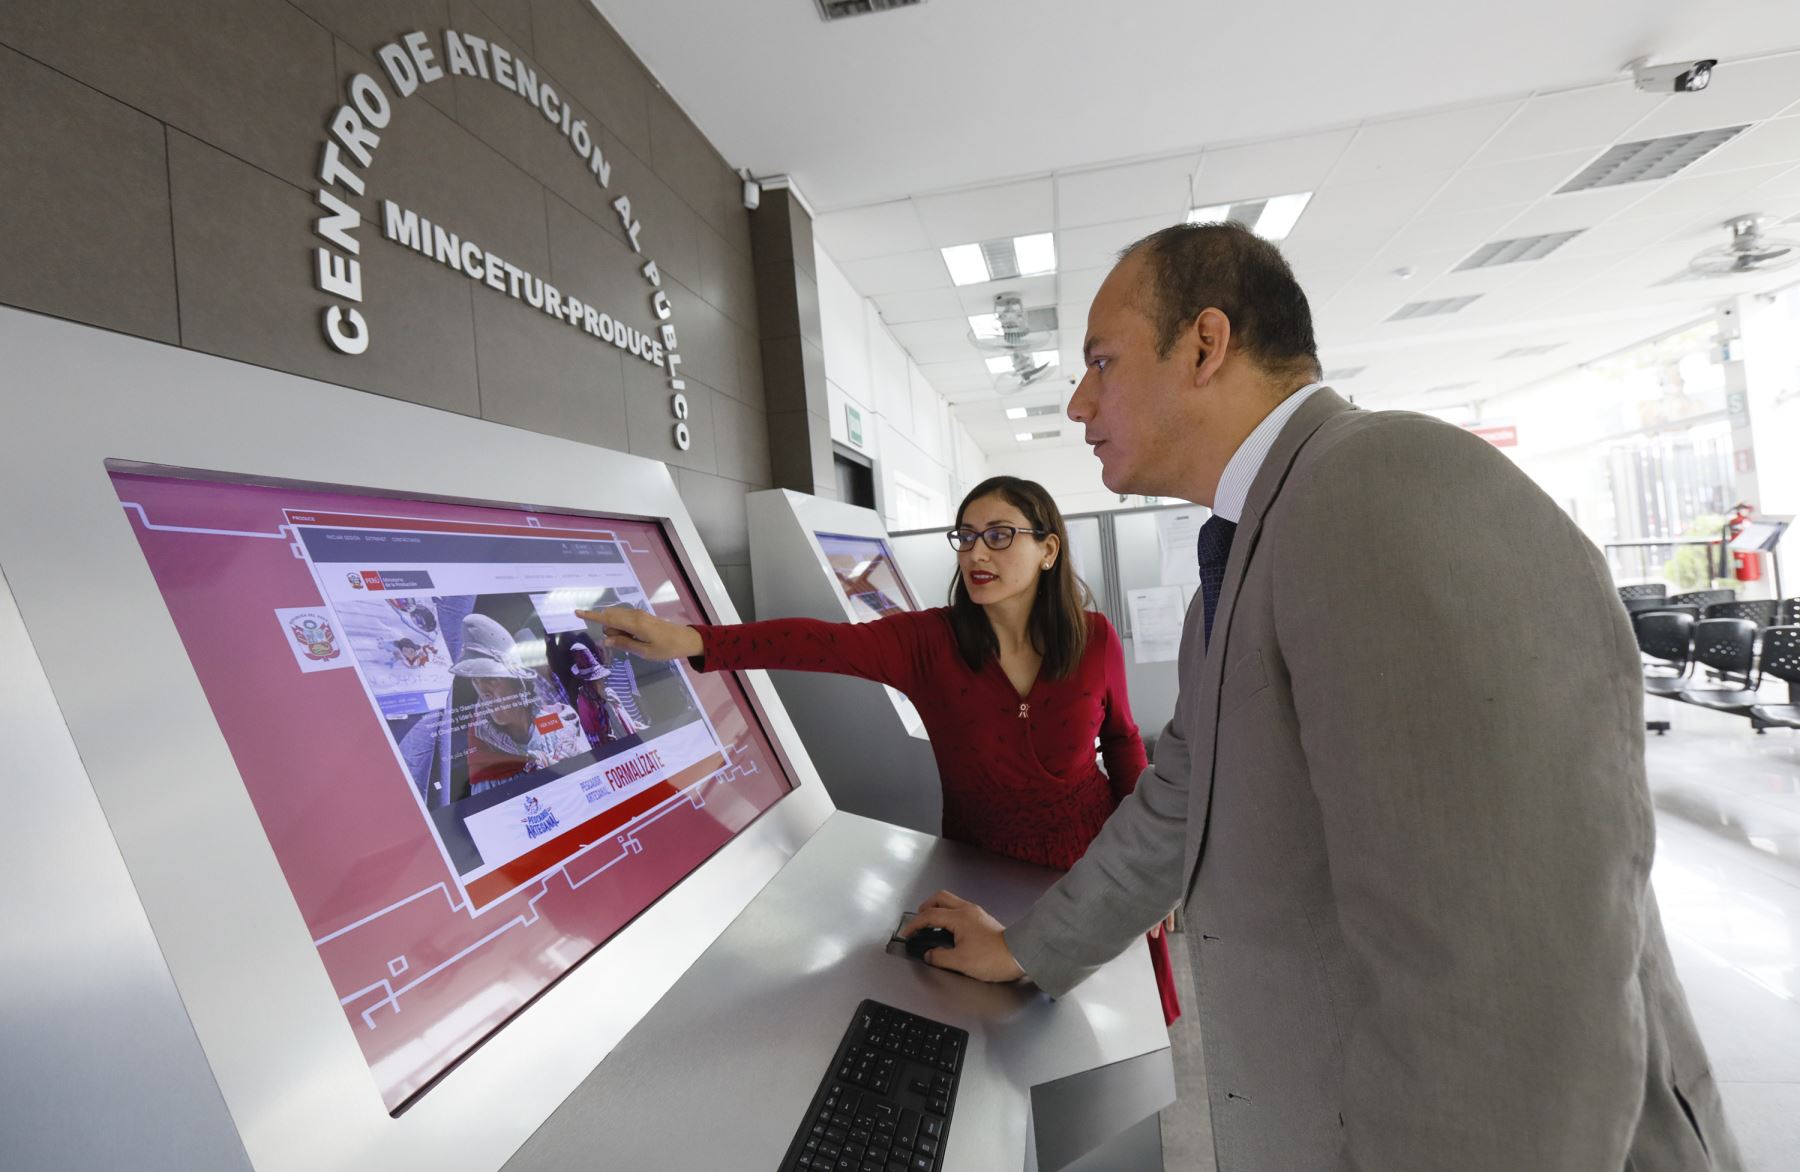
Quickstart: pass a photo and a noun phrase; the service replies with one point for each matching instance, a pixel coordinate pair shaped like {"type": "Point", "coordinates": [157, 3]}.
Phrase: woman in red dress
{"type": "Point", "coordinates": [1014, 680]}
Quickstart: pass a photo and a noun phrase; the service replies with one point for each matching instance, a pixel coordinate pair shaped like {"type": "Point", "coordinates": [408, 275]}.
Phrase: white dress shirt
{"type": "Point", "coordinates": [1247, 461]}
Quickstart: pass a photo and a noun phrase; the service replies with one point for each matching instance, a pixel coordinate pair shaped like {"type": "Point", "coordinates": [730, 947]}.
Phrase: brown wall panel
{"type": "Point", "coordinates": [171, 151]}
{"type": "Point", "coordinates": [85, 182]}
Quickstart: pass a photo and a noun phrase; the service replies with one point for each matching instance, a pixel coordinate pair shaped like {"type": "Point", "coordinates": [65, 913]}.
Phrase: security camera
{"type": "Point", "coordinates": [752, 190]}
{"type": "Point", "coordinates": [1682, 77]}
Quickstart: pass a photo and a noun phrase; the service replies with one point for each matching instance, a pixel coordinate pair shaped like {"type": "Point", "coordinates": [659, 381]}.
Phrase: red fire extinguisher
{"type": "Point", "coordinates": [1746, 567]}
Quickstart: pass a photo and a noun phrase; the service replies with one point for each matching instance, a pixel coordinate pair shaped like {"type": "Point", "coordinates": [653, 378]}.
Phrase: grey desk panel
{"type": "Point", "coordinates": [718, 1075]}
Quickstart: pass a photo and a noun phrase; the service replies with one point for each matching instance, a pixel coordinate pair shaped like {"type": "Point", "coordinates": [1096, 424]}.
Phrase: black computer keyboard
{"type": "Point", "coordinates": [885, 1103]}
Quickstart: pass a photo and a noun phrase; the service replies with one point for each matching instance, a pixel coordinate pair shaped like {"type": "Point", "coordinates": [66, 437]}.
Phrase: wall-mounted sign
{"type": "Point", "coordinates": [1500, 437]}
{"type": "Point", "coordinates": [354, 134]}
{"type": "Point", "coordinates": [853, 423]}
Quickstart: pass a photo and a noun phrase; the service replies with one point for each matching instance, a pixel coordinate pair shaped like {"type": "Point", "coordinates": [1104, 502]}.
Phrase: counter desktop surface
{"type": "Point", "coordinates": [720, 1074]}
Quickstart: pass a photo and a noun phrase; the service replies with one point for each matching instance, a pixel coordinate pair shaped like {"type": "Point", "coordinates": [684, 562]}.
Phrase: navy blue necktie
{"type": "Point", "coordinates": [1214, 549]}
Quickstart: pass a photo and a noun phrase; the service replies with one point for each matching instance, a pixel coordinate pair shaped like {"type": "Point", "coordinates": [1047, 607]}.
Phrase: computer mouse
{"type": "Point", "coordinates": [926, 939]}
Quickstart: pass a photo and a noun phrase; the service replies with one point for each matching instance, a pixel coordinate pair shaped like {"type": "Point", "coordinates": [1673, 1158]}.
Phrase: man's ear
{"type": "Point", "coordinates": [1213, 331]}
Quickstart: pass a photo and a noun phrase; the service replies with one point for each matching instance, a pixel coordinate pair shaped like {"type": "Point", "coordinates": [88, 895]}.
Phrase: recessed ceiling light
{"type": "Point", "coordinates": [1271, 218]}
{"type": "Point", "coordinates": [1002, 259]}
{"type": "Point", "coordinates": [1026, 437]}
{"type": "Point", "coordinates": [1043, 357]}
{"type": "Point", "coordinates": [965, 264]}
{"type": "Point", "coordinates": [1015, 412]}
{"type": "Point", "coordinates": [1023, 437]}
{"type": "Point", "coordinates": [1000, 364]}
{"type": "Point", "coordinates": [985, 325]}
{"type": "Point", "coordinates": [1037, 254]}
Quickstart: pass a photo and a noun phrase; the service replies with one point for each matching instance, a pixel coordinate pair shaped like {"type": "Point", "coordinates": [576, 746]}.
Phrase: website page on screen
{"type": "Point", "coordinates": [466, 792]}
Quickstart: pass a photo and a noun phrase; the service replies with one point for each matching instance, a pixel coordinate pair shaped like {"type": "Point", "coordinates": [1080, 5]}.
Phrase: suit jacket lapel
{"type": "Point", "coordinates": [1207, 675]}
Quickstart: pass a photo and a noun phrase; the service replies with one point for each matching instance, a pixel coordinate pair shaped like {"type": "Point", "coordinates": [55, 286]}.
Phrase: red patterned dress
{"type": "Point", "coordinates": [1018, 773]}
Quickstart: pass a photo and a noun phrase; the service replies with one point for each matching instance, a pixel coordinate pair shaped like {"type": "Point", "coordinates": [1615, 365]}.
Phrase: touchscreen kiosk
{"type": "Point", "coordinates": [822, 559]}
{"type": "Point", "coordinates": [337, 845]}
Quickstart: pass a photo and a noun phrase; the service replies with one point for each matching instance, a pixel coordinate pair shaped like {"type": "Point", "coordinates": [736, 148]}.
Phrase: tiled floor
{"type": "Point", "coordinates": [1728, 878]}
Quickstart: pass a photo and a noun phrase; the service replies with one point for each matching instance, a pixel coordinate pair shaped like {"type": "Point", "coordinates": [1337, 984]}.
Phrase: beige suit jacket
{"type": "Point", "coordinates": [1402, 801]}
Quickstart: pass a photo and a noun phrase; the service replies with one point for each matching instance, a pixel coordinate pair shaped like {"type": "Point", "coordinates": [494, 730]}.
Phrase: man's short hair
{"type": "Point", "coordinates": [1225, 266]}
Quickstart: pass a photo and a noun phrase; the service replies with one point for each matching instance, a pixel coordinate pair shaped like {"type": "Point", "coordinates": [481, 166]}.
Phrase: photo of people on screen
{"type": "Point", "coordinates": [519, 721]}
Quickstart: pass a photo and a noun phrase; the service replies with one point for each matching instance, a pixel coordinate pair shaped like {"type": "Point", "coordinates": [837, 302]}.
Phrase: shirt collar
{"type": "Point", "coordinates": [1247, 461]}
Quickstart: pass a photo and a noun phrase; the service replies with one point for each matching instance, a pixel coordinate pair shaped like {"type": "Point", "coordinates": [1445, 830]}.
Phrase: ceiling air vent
{"type": "Point", "coordinates": [1522, 248]}
{"type": "Point", "coordinates": [1532, 351]}
{"type": "Point", "coordinates": [1653, 158]}
{"type": "Point", "coordinates": [1414, 309]}
{"type": "Point", "coordinates": [1033, 412]}
{"type": "Point", "coordinates": [839, 9]}
{"type": "Point", "coordinates": [1342, 373]}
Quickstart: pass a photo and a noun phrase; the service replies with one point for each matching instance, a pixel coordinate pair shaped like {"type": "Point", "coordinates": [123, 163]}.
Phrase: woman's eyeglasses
{"type": "Point", "coordinates": [997, 536]}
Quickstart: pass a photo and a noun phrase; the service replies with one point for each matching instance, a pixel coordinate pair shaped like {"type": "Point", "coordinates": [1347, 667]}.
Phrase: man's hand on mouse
{"type": "Point", "coordinates": [980, 950]}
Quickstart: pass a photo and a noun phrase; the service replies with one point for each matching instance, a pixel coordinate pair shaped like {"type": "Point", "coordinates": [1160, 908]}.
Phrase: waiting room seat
{"type": "Point", "coordinates": [1702, 598]}
{"type": "Point", "coordinates": [1668, 638]}
{"type": "Point", "coordinates": [1781, 659]}
{"type": "Point", "coordinates": [1790, 612]}
{"type": "Point", "coordinates": [1761, 611]}
{"type": "Point", "coordinates": [1728, 647]}
{"type": "Point", "coordinates": [1642, 590]}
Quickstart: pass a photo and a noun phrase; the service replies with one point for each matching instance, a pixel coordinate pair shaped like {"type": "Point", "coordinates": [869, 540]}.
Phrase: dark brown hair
{"type": "Point", "coordinates": [1059, 624]}
{"type": "Point", "coordinates": [1227, 267]}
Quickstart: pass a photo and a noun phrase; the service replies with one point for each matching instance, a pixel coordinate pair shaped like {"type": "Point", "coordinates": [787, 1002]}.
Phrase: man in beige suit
{"type": "Point", "coordinates": [1402, 798]}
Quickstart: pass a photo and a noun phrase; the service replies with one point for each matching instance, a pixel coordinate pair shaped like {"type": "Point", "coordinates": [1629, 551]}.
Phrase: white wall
{"type": "Point", "coordinates": [1072, 474]}
{"type": "Point", "coordinates": [924, 458]}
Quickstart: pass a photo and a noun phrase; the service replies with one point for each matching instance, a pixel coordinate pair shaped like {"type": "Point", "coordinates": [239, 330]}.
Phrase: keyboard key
{"type": "Point", "coordinates": [922, 1164]}
{"type": "Point", "coordinates": [933, 1127]}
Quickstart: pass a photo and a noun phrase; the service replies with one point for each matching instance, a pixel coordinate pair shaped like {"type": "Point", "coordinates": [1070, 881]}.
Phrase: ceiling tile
{"type": "Point", "coordinates": [1585, 119]}
{"type": "Point", "coordinates": [926, 305]}
{"type": "Point", "coordinates": [1775, 141]}
{"type": "Point", "coordinates": [1424, 144]}
{"type": "Point", "coordinates": [1081, 284]}
{"type": "Point", "coordinates": [1741, 91]}
{"type": "Point", "coordinates": [1367, 213]}
{"type": "Point", "coordinates": [1701, 194]}
{"type": "Point", "coordinates": [1098, 245]}
{"type": "Point", "coordinates": [1521, 181]}
{"type": "Point", "coordinates": [1156, 189]}
{"type": "Point", "coordinates": [879, 230]}
{"type": "Point", "coordinates": [935, 341]}
{"type": "Point", "coordinates": [964, 374]}
{"type": "Point", "coordinates": [1260, 169]}
{"type": "Point", "coordinates": [987, 213]}
{"type": "Point", "coordinates": [1578, 209]}
{"type": "Point", "coordinates": [1460, 232]}
{"type": "Point", "coordinates": [905, 272]}
{"type": "Point", "coordinates": [1034, 291]}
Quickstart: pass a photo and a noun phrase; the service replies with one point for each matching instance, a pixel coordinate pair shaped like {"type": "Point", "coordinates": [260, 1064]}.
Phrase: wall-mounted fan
{"type": "Point", "coordinates": [1748, 252]}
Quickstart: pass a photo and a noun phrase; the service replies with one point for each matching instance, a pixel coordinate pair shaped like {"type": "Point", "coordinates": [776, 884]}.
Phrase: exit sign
{"type": "Point", "coordinates": [1500, 437]}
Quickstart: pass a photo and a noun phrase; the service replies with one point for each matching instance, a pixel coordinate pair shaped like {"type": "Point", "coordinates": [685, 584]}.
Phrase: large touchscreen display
{"type": "Point", "coordinates": [466, 793]}
{"type": "Point", "coordinates": [867, 575]}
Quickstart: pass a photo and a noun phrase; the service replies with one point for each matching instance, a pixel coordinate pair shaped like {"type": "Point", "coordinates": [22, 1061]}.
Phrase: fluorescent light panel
{"type": "Point", "coordinates": [1028, 412]}
{"type": "Point", "coordinates": [1272, 218]}
{"type": "Point", "coordinates": [1002, 259]}
{"type": "Point", "coordinates": [1520, 248]}
{"type": "Point", "coordinates": [1651, 158]}
{"type": "Point", "coordinates": [1414, 309]}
